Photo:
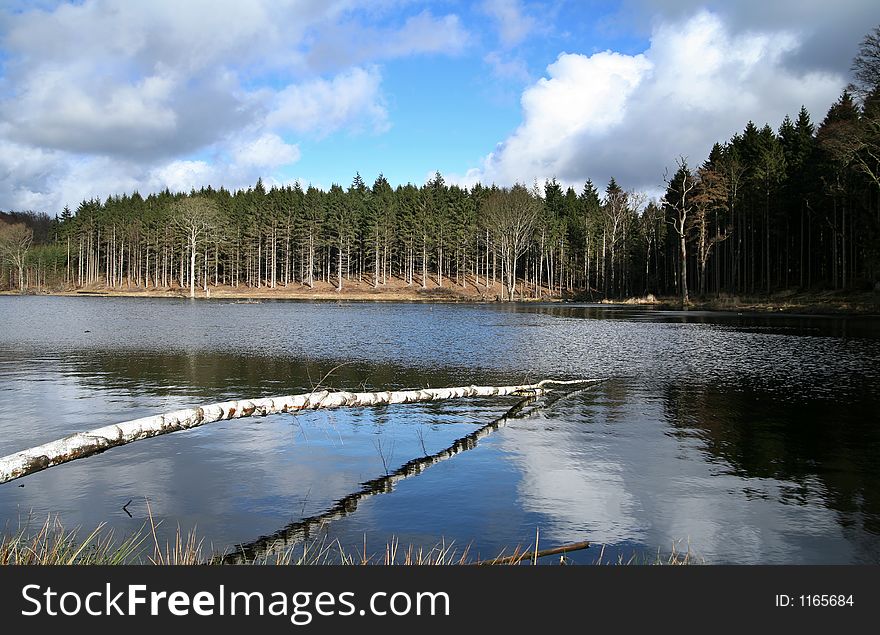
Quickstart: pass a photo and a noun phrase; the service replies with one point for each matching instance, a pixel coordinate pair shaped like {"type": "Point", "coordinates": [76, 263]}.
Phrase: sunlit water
{"type": "Point", "coordinates": [746, 438]}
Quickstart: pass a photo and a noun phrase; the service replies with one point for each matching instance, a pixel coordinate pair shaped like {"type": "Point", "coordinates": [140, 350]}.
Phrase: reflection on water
{"type": "Point", "coordinates": [302, 531]}
{"type": "Point", "coordinates": [754, 437]}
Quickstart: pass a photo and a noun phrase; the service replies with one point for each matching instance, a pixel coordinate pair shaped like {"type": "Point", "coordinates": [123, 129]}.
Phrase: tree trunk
{"type": "Point", "coordinates": [339, 268]}
{"type": "Point", "coordinates": [424, 262]}
{"type": "Point", "coordinates": [192, 267]}
{"type": "Point", "coordinates": [684, 288]}
{"type": "Point", "coordinates": [83, 444]}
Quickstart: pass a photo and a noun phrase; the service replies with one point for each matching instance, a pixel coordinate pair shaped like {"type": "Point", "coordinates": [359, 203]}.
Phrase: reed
{"type": "Point", "coordinates": [50, 543]}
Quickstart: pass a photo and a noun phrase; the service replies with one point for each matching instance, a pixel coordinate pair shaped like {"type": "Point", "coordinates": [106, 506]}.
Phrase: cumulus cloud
{"type": "Point", "coordinates": [629, 116]}
{"type": "Point", "coordinates": [26, 173]}
{"type": "Point", "coordinates": [160, 115]}
{"type": "Point", "coordinates": [828, 32]}
{"type": "Point", "coordinates": [191, 36]}
{"type": "Point", "coordinates": [36, 177]}
{"type": "Point", "coordinates": [100, 97]}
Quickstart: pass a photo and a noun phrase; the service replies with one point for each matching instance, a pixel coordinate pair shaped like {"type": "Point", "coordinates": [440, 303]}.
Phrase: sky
{"type": "Point", "coordinates": [101, 97]}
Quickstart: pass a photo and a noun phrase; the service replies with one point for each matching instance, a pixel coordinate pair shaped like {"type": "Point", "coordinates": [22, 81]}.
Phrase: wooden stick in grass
{"type": "Point", "coordinates": [83, 444]}
{"type": "Point", "coordinates": [534, 555]}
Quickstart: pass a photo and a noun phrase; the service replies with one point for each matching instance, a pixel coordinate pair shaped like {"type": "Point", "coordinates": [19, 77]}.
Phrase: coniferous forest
{"type": "Point", "coordinates": [793, 208]}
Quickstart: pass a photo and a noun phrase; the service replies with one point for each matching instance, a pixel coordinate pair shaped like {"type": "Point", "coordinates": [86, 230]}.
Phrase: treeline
{"type": "Point", "coordinates": [797, 207]}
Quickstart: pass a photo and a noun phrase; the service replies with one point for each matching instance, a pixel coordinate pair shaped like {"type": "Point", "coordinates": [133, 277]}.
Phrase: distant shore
{"type": "Point", "coordinates": [813, 303]}
{"type": "Point", "coordinates": [790, 301]}
{"type": "Point", "coordinates": [393, 291]}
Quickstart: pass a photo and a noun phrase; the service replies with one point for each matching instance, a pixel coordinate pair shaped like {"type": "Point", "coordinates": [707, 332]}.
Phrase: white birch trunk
{"type": "Point", "coordinates": [83, 444]}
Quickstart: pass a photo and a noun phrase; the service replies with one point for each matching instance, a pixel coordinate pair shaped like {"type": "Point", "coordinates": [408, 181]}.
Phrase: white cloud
{"type": "Point", "coordinates": [191, 36]}
{"type": "Point", "coordinates": [154, 80]}
{"type": "Point", "coordinates": [352, 43]}
{"type": "Point", "coordinates": [628, 116]}
{"type": "Point", "coordinates": [350, 100]}
{"type": "Point", "coordinates": [513, 24]}
{"type": "Point", "coordinates": [181, 176]}
{"type": "Point", "coordinates": [101, 97]}
{"type": "Point", "coordinates": [828, 32]}
{"type": "Point", "coordinates": [269, 150]}
{"type": "Point", "coordinates": [59, 108]}
{"type": "Point", "coordinates": [583, 95]}
{"type": "Point", "coordinates": [424, 33]}
{"type": "Point", "coordinates": [38, 179]}
{"type": "Point", "coordinates": [25, 173]}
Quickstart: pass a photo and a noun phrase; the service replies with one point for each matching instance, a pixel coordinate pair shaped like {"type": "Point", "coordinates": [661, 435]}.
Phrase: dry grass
{"type": "Point", "coordinates": [676, 557]}
{"type": "Point", "coordinates": [333, 553]}
{"type": "Point", "coordinates": [51, 544]}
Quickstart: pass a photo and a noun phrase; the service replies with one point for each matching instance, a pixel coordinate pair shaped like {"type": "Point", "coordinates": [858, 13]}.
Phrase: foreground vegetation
{"type": "Point", "coordinates": [797, 207]}
{"type": "Point", "coordinates": [51, 544]}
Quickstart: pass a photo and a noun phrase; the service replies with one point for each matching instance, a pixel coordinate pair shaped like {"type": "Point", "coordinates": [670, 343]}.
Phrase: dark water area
{"type": "Point", "coordinates": [747, 438]}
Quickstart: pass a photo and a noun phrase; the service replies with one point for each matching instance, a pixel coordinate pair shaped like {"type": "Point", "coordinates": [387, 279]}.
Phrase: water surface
{"type": "Point", "coordinates": [751, 438]}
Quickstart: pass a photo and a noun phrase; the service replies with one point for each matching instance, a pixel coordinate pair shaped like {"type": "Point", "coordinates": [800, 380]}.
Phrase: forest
{"type": "Point", "coordinates": [767, 210]}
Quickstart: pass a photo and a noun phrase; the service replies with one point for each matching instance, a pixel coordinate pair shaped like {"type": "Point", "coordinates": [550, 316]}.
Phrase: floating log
{"type": "Point", "coordinates": [305, 529]}
{"type": "Point", "coordinates": [83, 444]}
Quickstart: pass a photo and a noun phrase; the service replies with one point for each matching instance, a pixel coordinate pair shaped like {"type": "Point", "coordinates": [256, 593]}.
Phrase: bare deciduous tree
{"type": "Point", "coordinates": [15, 241]}
{"type": "Point", "coordinates": [511, 216]}
{"type": "Point", "coordinates": [864, 140]}
{"type": "Point", "coordinates": [194, 216]}
{"type": "Point", "coordinates": [679, 199]}
{"type": "Point", "coordinates": [866, 65]}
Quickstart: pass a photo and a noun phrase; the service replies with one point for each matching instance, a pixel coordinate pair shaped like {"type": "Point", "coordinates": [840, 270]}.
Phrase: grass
{"type": "Point", "coordinates": [675, 557]}
{"type": "Point", "coordinates": [52, 544]}
{"type": "Point", "coordinates": [332, 552]}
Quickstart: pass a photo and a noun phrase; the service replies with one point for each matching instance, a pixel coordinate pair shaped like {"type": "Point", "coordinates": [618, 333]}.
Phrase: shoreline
{"type": "Point", "coordinates": [864, 303]}
{"type": "Point", "coordinates": [831, 303]}
{"type": "Point", "coordinates": [352, 291]}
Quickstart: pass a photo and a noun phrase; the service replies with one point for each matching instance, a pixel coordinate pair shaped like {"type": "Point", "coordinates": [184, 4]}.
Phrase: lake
{"type": "Point", "coordinates": [746, 438]}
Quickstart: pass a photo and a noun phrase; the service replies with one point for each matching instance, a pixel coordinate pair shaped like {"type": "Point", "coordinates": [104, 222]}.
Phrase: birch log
{"type": "Point", "coordinates": [83, 444]}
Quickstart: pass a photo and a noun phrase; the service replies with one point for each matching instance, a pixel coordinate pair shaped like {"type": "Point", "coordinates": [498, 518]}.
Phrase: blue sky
{"type": "Point", "coordinates": [101, 97]}
{"type": "Point", "coordinates": [449, 110]}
